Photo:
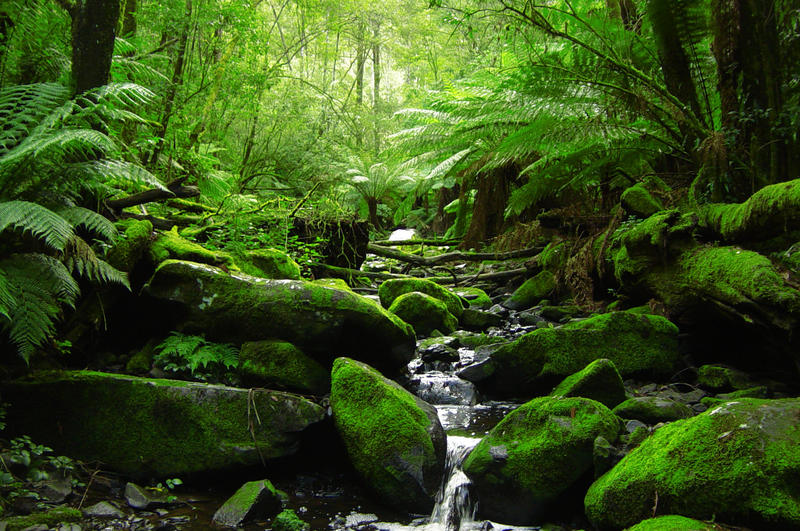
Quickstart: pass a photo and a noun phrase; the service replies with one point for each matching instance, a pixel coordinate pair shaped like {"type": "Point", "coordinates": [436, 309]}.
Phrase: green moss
{"type": "Point", "coordinates": [131, 247]}
{"type": "Point", "coordinates": [424, 313]}
{"type": "Point", "coordinates": [279, 364]}
{"type": "Point", "coordinates": [554, 256]}
{"type": "Point", "coordinates": [652, 409]}
{"type": "Point", "coordinates": [141, 362]}
{"type": "Point", "coordinates": [532, 291]}
{"type": "Point", "coordinates": [154, 427]}
{"type": "Point", "coordinates": [269, 263]}
{"type": "Point", "coordinates": [336, 283]}
{"type": "Point", "coordinates": [473, 340]}
{"type": "Point", "coordinates": [721, 378]}
{"type": "Point", "coordinates": [288, 520]}
{"type": "Point", "coordinates": [768, 212]}
{"type": "Point", "coordinates": [476, 297]}
{"type": "Point", "coordinates": [600, 381]}
{"type": "Point", "coordinates": [674, 523]}
{"type": "Point", "coordinates": [637, 436]}
{"type": "Point", "coordinates": [394, 288]}
{"type": "Point", "coordinates": [639, 201]}
{"type": "Point", "coordinates": [387, 435]}
{"type": "Point", "coordinates": [536, 453]}
{"type": "Point", "coordinates": [50, 518]}
{"type": "Point", "coordinates": [171, 245]}
{"type": "Point", "coordinates": [253, 500]}
{"type": "Point", "coordinates": [737, 462]}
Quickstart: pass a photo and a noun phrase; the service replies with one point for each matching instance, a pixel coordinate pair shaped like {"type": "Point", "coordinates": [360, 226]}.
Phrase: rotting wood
{"type": "Point", "coordinates": [454, 256]}
{"type": "Point", "coordinates": [154, 194]}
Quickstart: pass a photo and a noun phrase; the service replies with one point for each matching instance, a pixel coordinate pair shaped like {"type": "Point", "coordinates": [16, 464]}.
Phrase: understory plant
{"type": "Point", "coordinates": [194, 358]}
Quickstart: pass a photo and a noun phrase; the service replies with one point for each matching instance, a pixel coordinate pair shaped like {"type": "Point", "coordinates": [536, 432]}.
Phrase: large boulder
{"type": "Point", "coordinates": [652, 409]}
{"type": "Point", "coordinates": [254, 500]}
{"type": "Point", "coordinates": [738, 463]}
{"type": "Point", "coordinates": [393, 438]}
{"type": "Point", "coordinates": [424, 313]}
{"type": "Point", "coordinates": [323, 322]}
{"type": "Point", "coordinates": [537, 452]}
{"type": "Point", "coordinates": [674, 522]}
{"type": "Point", "coordinates": [600, 381]}
{"type": "Point", "coordinates": [638, 345]}
{"type": "Point", "coordinates": [277, 364]}
{"type": "Point", "coordinates": [391, 289]}
{"type": "Point", "coordinates": [532, 291]}
{"type": "Point", "coordinates": [156, 428]}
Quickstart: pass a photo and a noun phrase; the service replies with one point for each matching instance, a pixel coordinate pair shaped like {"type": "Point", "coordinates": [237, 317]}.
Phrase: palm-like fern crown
{"type": "Point", "coordinates": [51, 150]}
{"type": "Point", "coordinates": [570, 112]}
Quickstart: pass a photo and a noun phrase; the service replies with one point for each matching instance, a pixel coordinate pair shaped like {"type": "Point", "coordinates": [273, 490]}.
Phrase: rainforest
{"type": "Point", "coordinates": [440, 265]}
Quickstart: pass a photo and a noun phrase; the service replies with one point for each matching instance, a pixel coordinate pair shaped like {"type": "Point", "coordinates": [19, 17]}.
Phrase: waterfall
{"type": "Point", "coordinates": [454, 510]}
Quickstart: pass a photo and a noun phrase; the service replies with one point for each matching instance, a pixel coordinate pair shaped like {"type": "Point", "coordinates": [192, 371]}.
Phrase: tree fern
{"type": "Point", "coordinates": [41, 222]}
{"type": "Point", "coordinates": [194, 357]}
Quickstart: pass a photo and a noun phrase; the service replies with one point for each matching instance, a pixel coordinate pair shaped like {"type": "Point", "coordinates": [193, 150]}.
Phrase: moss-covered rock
{"type": "Point", "coordinates": [560, 314]}
{"type": "Point", "coordinates": [50, 518]}
{"type": "Point", "coordinates": [638, 345]}
{"type": "Point", "coordinates": [479, 320]}
{"type": "Point", "coordinates": [254, 500]}
{"type": "Point", "coordinates": [738, 462]}
{"type": "Point", "coordinates": [600, 381]}
{"type": "Point", "coordinates": [392, 289]}
{"type": "Point", "coordinates": [131, 247]}
{"type": "Point", "coordinates": [424, 313]}
{"type": "Point", "coordinates": [156, 428]}
{"type": "Point", "coordinates": [638, 201]}
{"type": "Point", "coordinates": [476, 297]}
{"type": "Point", "coordinates": [169, 245]}
{"type": "Point", "coordinates": [268, 263]}
{"type": "Point", "coordinates": [722, 378]}
{"type": "Point", "coordinates": [532, 291]}
{"type": "Point", "coordinates": [336, 283]}
{"type": "Point", "coordinates": [473, 340]}
{"type": "Point", "coordinates": [652, 409]}
{"type": "Point", "coordinates": [278, 364]}
{"type": "Point", "coordinates": [554, 256]}
{"type": "Point", "coordinates": [288, 520]}
{"type": "Point", "coordinates": [394, 439]}
{"type": "Point", "coordinates": [675, 523]}
{"type": "Point", "coordinates": [526, 463]}
{"type": "Point", "coordinates": [323, 322]}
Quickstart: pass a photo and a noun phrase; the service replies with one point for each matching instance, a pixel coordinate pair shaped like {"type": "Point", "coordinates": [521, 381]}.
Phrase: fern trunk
{"type": "Point", "coordinates": [94, 28]}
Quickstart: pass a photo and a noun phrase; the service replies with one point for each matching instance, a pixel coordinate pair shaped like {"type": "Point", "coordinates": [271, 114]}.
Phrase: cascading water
{"type": "Point", "coordinates": [454, 510]}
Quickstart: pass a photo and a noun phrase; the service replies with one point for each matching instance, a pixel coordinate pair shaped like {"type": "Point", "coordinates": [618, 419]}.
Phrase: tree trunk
{"type": "Point", "coordinates": [372, 206]}
{"type": "Point", "coordinates": [94, 26]}
{"type": "Point", "coordinates": [489, 208]}
{"type": "Point", "coordinates": [376, 84]}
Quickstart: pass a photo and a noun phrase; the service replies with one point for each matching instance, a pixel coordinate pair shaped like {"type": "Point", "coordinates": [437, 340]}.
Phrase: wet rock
{"type": "Point", "coordinates": [140, 498]}
{"type": "Point", "coordinates": [449, 341]}
{"type": "Point", "coordinates": [633, 425]}
{"type": "Point", "coordinates": [424, 313]}
{"type": "Point", "coordinates": [156, 428]}
{"type": "Point", "coordinates": [559, 314]}
{"type": "Point", "coordinates": [737, 463]}
{"type": "Point", "coordinates": [476, 297]}
{"type": "Point", "coordinates": [288, 520]}
{"type": "Point", "coordinates": [438, 388]}
{"type": "Point", "coordinates": [481, 366]}
{"type": "Point", "coordinates": [530, 318]}
{"type": "Point", "coordinates": [500, 310]}
{"type": "Point", "coordinates": [473, 340]}
{"type": "Point", "coordinates": [532, 291]}
{"type": "Point", "coordinates": [604, 456]}
{"type": "Point", "coordinates": [321, 321]}
{"type": "Point", "coordinates": [652, 409]}
{"type": "Point", "coordinates": [255, 500]}
{"type": "Point", "coordinates": [393, 438]}
{"type": "Point", "coordinates": [276, 364]}
{"type": "Point", "coordinates": [600, 381]}
{"type": "Point", "coordinates": [478, 320]}
{"type": "Point", "coordinates": [439, 352]}
{"type": "Point", "coordinates": [548, 445]}
{"type": "Point", "coordinates": [638, 345]}
{"type": "Point", "coordinates": [390, 290]}
{"type": "Point", "coordinates": [103, 509]}
{"type": "Point", "coordinates": [54, 490]}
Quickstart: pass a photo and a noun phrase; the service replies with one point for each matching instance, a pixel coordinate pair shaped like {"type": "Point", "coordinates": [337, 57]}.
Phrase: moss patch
{"type": "Point", "coordinates": [50, 518]}
{"type": "Point", "coordinates": [738, 462]}
{"type": "Point", "coordinates": [253, 500]}
{"type": "Point", "coordinates": [288, 520]}
{"type": "Point", "coordinates": [394, 439]}
{"type": "Point", "coordinates": [132, 246]}
{"type": "Point", "coordinates": [476, 297]}
{"type": "Point", "coordinates": [535, 454]}
{"type": "Point", "coordinates": [652, 409]}
{"type": "Point", "coordinates": [637, 200]}
{"type": "Point", "coordinates": [424, 313]}
{"type": "Point", "coordinates": [675, 523]}
{"type": "Point", "coordinates": [600, 381]}
{"type": "Point", "coordinates": [152, 427]}
{"type": "Point", "coordinates": [532, 291]}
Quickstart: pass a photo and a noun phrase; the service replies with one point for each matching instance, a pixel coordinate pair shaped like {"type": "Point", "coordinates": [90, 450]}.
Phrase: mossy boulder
{"type": "Point", "coordinates": [336, 283]}
{"type": "Point", "coordinates": [323, 322]}
{"type": "Point", "coordinates": [49, 518]}
{"type": "Point", "coordinates": [476, 297]}
{"type": "Point", "coordinates": [153, 427]}
{"type": "Point", "coordinates": [254, 500]}
{"type": "Point", "coordinates": [268, 263]}
{"type": "Point", "coordinates": [478, 320]}
{"type": "Point", "coordinates": [675, 523]}
{"type": "Point", "coordinates": [277, 364]}
{"type": "Point", "coordinates": [170, 245]}
{"type": "Point", "coordinates": [737, 462]}
{"type": "Point", "coordinates": [392, 289]}
{"type": "Point", "coordinates": [535, 454]}
{"type": "Point", "coordinates": [638, 345]}
{"type": "Point", "coordinates": [424, 313]}
{"type": "Point", "coordinates": [532, 291]}
{"type": "Point", "coordinates": [652, 409]}
{"type": "Point", "coordinates": [722, 378]}
{"type": "Point", "coordinates": [600, 381]}
{"type": "Point", "coordinates": [393, 438]}
{"type": "Point", "coordinates": [639, 201]}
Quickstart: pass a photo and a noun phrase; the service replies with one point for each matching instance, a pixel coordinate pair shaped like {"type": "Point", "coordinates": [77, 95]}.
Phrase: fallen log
{"type": "Point", "coordinates": [434, 243]}
{"type": "Point", "coordinates": [155, 194]}
{"type": "Point", "coordinates": [453, 279]}
{"type": "Point", "coordinates": [160, 223]}
{"type": "Point", "coordinates": [454, 256]}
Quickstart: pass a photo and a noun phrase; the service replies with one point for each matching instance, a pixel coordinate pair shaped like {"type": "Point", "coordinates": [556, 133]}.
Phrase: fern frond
{"type": "Point", "coordinates": [114, 173]}
{"type": "Point", "coordinates": [23, 107]}
{"type": "Point", "coordinates": [80, 259]}
{"type": "Point", "coordinates": [42, 222]}
{"type": "Point", "coordinates": [91, 220]}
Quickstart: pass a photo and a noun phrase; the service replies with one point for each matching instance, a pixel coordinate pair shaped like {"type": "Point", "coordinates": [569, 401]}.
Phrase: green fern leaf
{"type": "Point", "coordinates": [79, 216]}
{"type": "Point", "coordinates": [42, 222]}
